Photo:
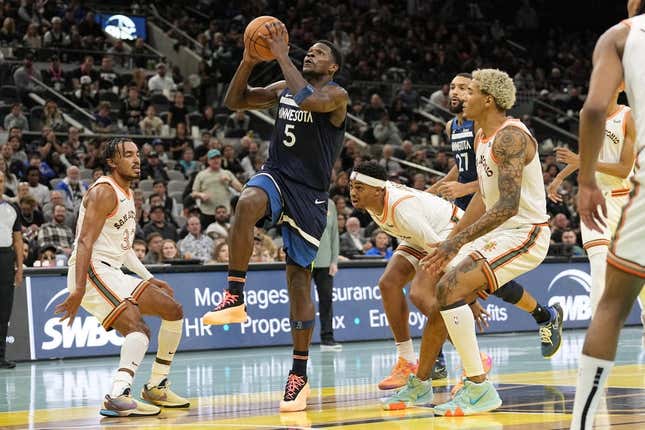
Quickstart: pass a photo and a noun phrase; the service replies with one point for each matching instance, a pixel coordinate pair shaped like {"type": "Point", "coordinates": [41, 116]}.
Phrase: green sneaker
{"type": "Point", "coordinates": [415, 393]}
{"type": "Point", "coordinates": [470, 400]}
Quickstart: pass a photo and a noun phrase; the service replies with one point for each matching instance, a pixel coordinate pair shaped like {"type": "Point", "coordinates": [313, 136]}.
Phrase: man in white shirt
{"type": "Point", "coordinates": [161, 82]}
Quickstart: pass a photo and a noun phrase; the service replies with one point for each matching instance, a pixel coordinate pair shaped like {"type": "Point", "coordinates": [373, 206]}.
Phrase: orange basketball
{"type": "Point", "coordinates": [252, 40]}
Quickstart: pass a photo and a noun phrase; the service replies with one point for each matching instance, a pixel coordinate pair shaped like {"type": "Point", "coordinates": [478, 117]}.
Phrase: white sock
{"type": "Point", "coordinates": [133, 350]}
{"type": "Point", "coordinates": [405, 350]}
{"type": "Point", "coordinates": [592, 376]}
{"type": "Point", "coordinates": [598, 262]}
{"type": "Point", "coordinates": [169, 337]}
{"type": "Point", "coordinates": [461, 328]}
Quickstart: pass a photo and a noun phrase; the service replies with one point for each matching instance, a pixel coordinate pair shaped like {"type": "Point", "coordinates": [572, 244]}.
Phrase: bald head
{"type": "Point", "coordinates": [74, 174]}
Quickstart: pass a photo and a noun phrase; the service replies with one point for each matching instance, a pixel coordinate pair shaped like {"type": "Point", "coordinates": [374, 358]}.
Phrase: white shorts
{"type": "Point", "coordinates": [615, 202]}
{"type": "Point", "coordinates": [107, 291]}
{"type": "Point", "coordinates": [410, 253]}
{"type": "Point", "coordinates": [626, 249]}
{"type": "Point", "coordinates": [508, 252]}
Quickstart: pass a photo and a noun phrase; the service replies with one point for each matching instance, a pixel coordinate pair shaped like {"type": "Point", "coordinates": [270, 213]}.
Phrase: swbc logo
{"type": "Point", "coordinates": [576, 307]}
{"type": "Point", "coordinates": [84, 332]}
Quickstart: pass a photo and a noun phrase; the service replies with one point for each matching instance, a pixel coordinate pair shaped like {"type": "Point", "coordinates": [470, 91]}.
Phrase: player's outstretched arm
{"type": "Point", "coordinates": [99, 202]}
{"type": "Point", "coordinates": [239, 95]}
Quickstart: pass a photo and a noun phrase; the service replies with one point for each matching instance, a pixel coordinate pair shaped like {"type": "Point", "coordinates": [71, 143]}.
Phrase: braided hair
{"type": "Point", "coordinates": [113, 148]}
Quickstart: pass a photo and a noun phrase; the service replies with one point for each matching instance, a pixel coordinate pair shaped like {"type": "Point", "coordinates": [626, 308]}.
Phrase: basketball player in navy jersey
{"type": "Point", "coordinates": [459, 185]}
{"type": "Point", "coordinates": [292, 187]}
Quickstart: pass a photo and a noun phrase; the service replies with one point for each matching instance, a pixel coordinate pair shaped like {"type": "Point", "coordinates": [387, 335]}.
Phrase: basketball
{"type": "Point", "coordinates": [252, 40]}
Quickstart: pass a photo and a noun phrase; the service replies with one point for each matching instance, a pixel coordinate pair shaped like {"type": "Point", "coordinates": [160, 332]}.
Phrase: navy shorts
{"type": "Point", "coordinates": [301, 210]}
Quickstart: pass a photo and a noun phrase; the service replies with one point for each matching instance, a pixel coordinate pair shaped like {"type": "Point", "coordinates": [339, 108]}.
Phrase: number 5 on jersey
{"type": "Point", "coordinates": [290, 139]}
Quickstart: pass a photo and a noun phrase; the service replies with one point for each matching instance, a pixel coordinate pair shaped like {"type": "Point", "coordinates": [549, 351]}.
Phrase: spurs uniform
{"type": "Point", "coordinates": [521, 243]}
{"type": "Point", "coordinates": [626, 251]}
{"type": "Point", "coordinates": [107, 286]}
{"type": "Point", "coordinates": [417, 218]}
{"type": "Point", "coordinates": [616, 190]}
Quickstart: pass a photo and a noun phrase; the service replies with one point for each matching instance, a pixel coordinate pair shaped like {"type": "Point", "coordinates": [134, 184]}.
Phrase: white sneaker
{"type": "Point", "coordinates": [330, 345]}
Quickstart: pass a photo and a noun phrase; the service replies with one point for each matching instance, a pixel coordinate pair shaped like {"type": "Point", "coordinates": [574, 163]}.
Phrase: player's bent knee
{"type": "Point", "coordinates": [176, 312]}
{"type": "Point", "coordinates": [251, 205]}
{"type": "Point", "coordinates": [510, 293]}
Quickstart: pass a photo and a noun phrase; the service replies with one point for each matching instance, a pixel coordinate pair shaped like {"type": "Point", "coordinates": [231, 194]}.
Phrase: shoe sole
{"type": "Point", "coordinates": [330, 348]}
{"type": "Point", "coordinates": [391, 387]}
{"type": "Point", "coordinates": [449, 413]}
{"type": "Point", "coordinates": [290, 407]}
{"type": "Point", "coordinates": [164, 404]}
{"type": "Point", "coordinates": [398, 406]}
{"type": "Point", "coordinates": [229, 316]}
{"type": "Point", "coordinates": [132, 413]}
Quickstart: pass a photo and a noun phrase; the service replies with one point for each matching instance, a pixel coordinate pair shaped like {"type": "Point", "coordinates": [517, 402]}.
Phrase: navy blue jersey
{"type": "Point", "coordinates": [462, 140]}
{"type": "Point", "coordinates": [304, 145]}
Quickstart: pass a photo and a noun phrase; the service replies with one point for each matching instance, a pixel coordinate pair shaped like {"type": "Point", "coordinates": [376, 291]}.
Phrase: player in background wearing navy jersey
{"type": "Point", "coordinates": [461, 132]}
{"type": "Point", "coordinates": [291, 188]}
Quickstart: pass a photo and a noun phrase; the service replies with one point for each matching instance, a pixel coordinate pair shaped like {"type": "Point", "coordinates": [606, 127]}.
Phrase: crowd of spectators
{"type": "Point", "coordinates": [196, 155]}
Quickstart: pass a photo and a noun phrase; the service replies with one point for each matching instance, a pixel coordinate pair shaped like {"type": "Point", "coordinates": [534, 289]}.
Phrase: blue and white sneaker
{"type": "Point", "coordinates": [415, 393]}
{"type": "Point", "coordinates": [472, 399]}
{"type": "Point", "coordinates": [551, 332]}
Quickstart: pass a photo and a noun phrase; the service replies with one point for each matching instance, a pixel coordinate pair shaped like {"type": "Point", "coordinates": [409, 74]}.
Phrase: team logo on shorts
{"type": "Point", "coordinates": [490, 246]}
{"type": "Point", "coordinates": [455, 319]}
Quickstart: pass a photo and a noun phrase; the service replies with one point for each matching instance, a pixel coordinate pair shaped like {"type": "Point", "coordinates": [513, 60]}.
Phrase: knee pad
{"type": "Point", "coordinates": [302, 325]}
{"type": "Point", "coordinates": [511, 292]}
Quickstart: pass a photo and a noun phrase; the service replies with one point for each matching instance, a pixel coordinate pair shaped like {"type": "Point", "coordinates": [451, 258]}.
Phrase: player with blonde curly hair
{"type": "Point", "coordinates": [502, 235]}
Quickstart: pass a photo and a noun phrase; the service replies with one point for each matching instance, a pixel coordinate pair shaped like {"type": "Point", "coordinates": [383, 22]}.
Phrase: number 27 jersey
{"type": "Point", "coordinates": [304, 144]}
{"type": "Point", "coordinates": [462, 141]}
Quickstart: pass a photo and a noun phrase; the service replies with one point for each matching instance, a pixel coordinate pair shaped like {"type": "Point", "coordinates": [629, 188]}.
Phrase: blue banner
{"type": "Point", "coordinates": [358, 311]}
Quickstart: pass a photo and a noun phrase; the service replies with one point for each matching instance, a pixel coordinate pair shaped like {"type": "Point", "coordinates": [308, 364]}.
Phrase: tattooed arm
{"type": "Point", "coordinates": [510, 149]}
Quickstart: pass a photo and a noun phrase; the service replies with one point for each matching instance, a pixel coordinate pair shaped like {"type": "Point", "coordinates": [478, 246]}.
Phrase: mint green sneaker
{"type": "Point", "coordinates": [415, 393]}
{"type": "Point", "coordinates": [472, 399]}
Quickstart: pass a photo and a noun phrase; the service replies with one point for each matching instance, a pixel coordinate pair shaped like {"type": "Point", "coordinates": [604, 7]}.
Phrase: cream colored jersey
{"type": "Point", "coordinates": [532, 209]}
{"type": "Point", "coordinates": [633, 55]}
{"type": "Point", "coordinates": [117, 234]}
{"type": "Point", "coordinates": [416, 217]}
{"type": "Point", "coordinates": [612, 147]}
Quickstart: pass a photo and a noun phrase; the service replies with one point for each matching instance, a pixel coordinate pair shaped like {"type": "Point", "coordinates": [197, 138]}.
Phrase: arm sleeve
{"type": "Point", "coordinates": [405, 216]}
{"type": "Point", "coordinates": [136, 266]}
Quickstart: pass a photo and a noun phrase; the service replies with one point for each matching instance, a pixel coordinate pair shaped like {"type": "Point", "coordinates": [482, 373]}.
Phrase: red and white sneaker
{"type": "Point", "coordinates": [295, 394]}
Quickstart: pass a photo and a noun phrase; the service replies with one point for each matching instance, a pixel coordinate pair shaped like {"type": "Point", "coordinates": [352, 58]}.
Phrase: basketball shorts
{"type": "Point", "coordinates": [107, 291]}
{"type": "Point", "coordinates": [300, 210]}
{"type": "Point", "coordinates": [508, 252]}
{"type": "Point", "coordinates": [626, 249]}
{"type": "Point", "coordinates": [615, 202]}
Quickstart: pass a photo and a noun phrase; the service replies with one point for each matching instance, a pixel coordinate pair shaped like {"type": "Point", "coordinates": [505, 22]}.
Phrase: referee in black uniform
{"type": "Point", "coordinates": [10, 267]}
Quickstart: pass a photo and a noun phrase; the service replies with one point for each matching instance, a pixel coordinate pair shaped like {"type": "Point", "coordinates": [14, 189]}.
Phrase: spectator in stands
{"type": "Point", "coordinates": [97, 172]}
{"type": "Point", "coordinates": [140, 249]}
{"type": "Point", "coordinates": [85, 95]}
{"type": "Point", "coordinates": [36, 189]}
{"type": "Point", "coordinates": [187, 165]}
{"type": "Point", "coordinates": [154, 241]}
{"type": "Point", "coordinates": [341, 205]}
{"type": "Point", "coordinates": [570, 241]}
{"type": "Point", "coordinates": [73, 187]}
{"type": "Point", "coordinates": [119, 52]}
{"type": "Point", "coordinates": [32, 39]}
{"type": "Point", "coordinates": [169, 251]}
{"type": "Point", "coordinates": [386, 132]}
{"type": "Point", "coordinates": [392, 167]}
{"type": "Point", "coordinates": [381, 247]}
{"type": "Point", "coordinates": [69, 157]}
{"type": "Point", "coordinates": [93, 159]}
{"type": "Point", "coordinates": [90, 30]}
{"type": "Point", "coordinates": [56, 198]}
{"type": "Point", "coordinates": [440, 162]}
{"type": "Point", "coordinates": [439, 98]}
{"type": "Point", "coordinates": [54, 75]}
{"type": "Point", "coordinates": [57, 233]}
{"type": "Point", "coordinates": [159, 224]}
{"type": "Point", "coordinates": [103, 120]}
{"type": "Point", "coordinates": [375, 110]}
{"type": "Point", "coordinates": [341, 186]}
{"type": "Point", "coordinates": [10, 180]}
{"type": "Point", "coordinates": [8, 34]}
{"type": "Point", "coordinates": [248, 162]}
{"type": "Point", "coordinates": [220, 227]}
{"type": "Point", "coordinates": [177, 112]}
{"type": "Point", "coordinates": [151, 125]}
{"type": "Point", "coordinates": [237, 124]}
{"type": "Point", "coordinates": [196, 244]}
{"type": "Point", "coordinates": [16, 118]}
{"type": "Point", "coordinates": [220, 254]}
{"type": "Point", "coordinates": [52, 117]}
{"type": "Point", "coordinates": [138, 53]}
{"type": "Point", "coordinates": [161, 82]}
{"type": "Point", "coordinates": [109, 79]}
{"type": "Point", "coordinates": [207, 121]}
{"type": "Point", "coordinates": [419, 182]}
{"type": "Point", "coordinates": [132, 110]}
{"type": "Point", "coordinates": [153, 168]}
{"type": "Point", "coordinates": [408, 95]}
{"type": "Point", "coordinates": [180, 142]}
{"type": "Point", "coordinates": [352, 242]}
{"type": "Point", "coordinates": [559, 223]}
{"type": "Point", "coordinates": [56, 37]}
{"type": "Point", "coordinates": [263, 247]}
{"type": "Point", "coordinates": [47, 257]}
{"type": "Point", "coordinates": [212, 187]}
{"type": "Point", "coordinates": [160, 148]}
{"type": "Point", "coordinates": [86, 69]}
{"type": "Point", "coordinates": [229, 162]}
{"type": "Point", "coordinates": [342, 220]}
{"type": "Point", "coordinates": [30, 217]}
{"type": "Point", "coordinates": [19, 155]}
{"type": "Point", "coordinates": [160, 189]}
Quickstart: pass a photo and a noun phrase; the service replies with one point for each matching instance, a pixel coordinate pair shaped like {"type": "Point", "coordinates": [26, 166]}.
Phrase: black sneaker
{"type": "Point", "coordinates": [330, 345]}
{"type": "Point", "coordinates": [230, 310]}
{"type": "Point", "coordinates": [551, 333]}
{"type": "Point", "coordinates": [6, 364]}
{"type": "Point", "coordinates": [439, 370]}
